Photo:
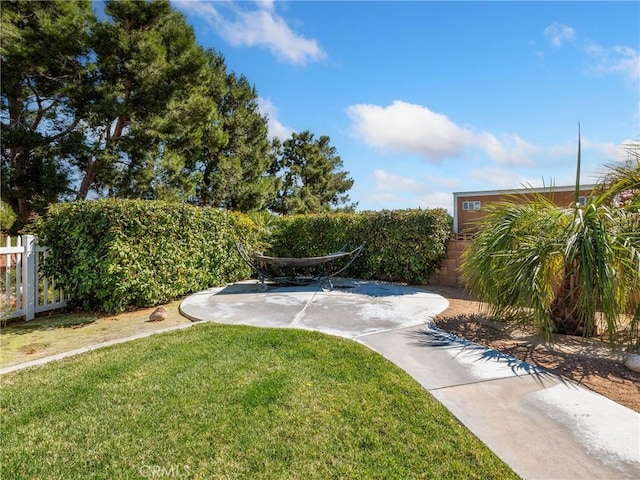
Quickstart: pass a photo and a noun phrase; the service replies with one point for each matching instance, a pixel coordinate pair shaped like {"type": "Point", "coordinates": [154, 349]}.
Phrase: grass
{"type": "Point", "coordinates": [218, 401]}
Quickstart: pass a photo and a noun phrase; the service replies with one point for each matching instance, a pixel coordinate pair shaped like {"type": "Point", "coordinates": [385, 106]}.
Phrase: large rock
{"type": "Point", "coordinates": [159, 314]}
{"type": "Point", "coordinates": [632, 362]}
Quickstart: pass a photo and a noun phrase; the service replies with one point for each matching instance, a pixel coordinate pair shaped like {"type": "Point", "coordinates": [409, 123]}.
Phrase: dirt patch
{"type": "Point", "coordinates": [32, 348]}
{"type": "Point", "coordinates": [49, 335]}
{"type": "Point", "coordinates": [588, 362]}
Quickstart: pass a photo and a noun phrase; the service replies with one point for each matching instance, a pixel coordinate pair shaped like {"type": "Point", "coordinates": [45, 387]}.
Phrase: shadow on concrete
{"type": "Point", "coordinates": [369, 288]}
{"type": "Point", "coordinates": [432, 336]}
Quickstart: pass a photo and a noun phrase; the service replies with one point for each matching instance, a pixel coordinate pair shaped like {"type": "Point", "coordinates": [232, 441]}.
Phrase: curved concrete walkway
{"type": "Point", "coordinates": [539, 424]}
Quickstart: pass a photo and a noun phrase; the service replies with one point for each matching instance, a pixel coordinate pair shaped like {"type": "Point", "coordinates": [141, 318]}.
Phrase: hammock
{"type": "Point", "coordinates": [260, 264]}
{"type": "Point", "coordinates": [298, 262]}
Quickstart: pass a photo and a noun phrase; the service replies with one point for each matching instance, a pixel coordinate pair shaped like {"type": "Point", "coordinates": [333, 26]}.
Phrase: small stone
{"type": "Point", "coordinates": [159, 314]}
{"type": "Point", "coordinates": [632, 362]}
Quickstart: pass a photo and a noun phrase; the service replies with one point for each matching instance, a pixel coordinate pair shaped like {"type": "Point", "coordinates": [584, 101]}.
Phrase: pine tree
{"type": "Point", "coordinates": [310, 176]}
{"type": "Point", "coordinates": [45, 74]}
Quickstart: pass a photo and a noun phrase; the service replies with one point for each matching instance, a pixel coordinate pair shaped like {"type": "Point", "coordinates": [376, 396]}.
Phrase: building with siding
{"type": "Point", "coordinates": [468, 207]}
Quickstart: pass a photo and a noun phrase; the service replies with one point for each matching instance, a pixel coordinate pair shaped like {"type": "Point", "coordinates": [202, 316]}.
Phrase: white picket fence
{"type": "Point", "coordinates": [25, 290]}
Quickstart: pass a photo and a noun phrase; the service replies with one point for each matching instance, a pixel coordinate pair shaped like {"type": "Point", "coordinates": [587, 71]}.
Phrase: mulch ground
{"type": "Point", "coordinates": [588, 362]}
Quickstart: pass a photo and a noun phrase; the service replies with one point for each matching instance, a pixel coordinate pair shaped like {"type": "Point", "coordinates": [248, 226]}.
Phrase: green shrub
{"type": "Point", "coordinates": [111, 255]}
{"type": "Point", "coordinates": [401, 245]}
{"type": "Point", "coordinates": [7, 216]}
{"type": "Point", "coordinates": [114, 254]}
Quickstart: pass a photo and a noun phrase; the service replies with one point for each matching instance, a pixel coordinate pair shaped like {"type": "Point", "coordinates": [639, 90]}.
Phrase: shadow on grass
{"type": "Point", "coordinates": [434, 337]}
{"type": "Point", "coordinates": [22, 327]}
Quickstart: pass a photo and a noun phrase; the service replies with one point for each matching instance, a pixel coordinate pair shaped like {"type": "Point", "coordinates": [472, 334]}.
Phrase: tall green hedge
{"type": "Point", "coordinates": [111, 255]}
{"type": "Point", "coordinates": [114, 254]}
{"type": "Point", "coordinates": [401, 245]}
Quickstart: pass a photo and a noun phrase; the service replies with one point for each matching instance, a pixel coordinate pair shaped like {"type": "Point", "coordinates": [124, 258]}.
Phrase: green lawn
{"type": "Point", "coordinates": [219, 401]}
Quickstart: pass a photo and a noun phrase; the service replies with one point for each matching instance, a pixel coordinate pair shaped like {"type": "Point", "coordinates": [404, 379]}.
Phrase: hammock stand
{"type": "Point", "coordinates": [262, 265]}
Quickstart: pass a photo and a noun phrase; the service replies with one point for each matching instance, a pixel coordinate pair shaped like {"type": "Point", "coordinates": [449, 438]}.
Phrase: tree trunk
{"type": "Point", "coordinates": [87, 181]}
{"type": "Point", "coordinates": [22, 195]}
{"type": "Point", "coordinates": [96, 163]}
{"type": "Point", "coordinates": [566, 316]}
{"type": "Point", "coordinates": [18, 158]}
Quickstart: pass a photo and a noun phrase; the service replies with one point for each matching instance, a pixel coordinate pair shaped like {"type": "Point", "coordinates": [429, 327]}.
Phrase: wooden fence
{"type": "Point", "coordinates": [24, 291]}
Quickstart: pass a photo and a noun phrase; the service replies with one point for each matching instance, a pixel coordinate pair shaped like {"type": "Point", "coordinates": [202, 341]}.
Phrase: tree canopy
{"type": "Point", "coordinates": [149, 105]}
{"type": "Point", "coordinates": [131, 106]}
{"type": "Point", "coordinates": [44, 54]}
{"type": "Point", "coordinates": [309, 176]}
{"type": "Point", "coordinates": [235, 160]}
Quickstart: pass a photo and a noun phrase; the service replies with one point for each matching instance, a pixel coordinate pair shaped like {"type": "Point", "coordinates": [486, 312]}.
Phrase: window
{"type": "Point", "coordinates": [471, 205]}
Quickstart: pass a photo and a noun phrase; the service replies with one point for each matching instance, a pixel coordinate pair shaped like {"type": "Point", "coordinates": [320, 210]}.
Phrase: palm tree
{"type": "Point", "coordinates": [622, 181]}
{"type": "Point", "coordinates": [569, 270]}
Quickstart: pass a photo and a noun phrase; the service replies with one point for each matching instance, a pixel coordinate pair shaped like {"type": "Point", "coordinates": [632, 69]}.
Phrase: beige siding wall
{"type": "Point", "coordinates": [467, 217]}
{"type": "Point", "coordinates": [449, 273]}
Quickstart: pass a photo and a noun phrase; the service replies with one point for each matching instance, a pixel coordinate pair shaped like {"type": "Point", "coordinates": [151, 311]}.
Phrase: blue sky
{"type": "Point", "coordinates": [423, 99]}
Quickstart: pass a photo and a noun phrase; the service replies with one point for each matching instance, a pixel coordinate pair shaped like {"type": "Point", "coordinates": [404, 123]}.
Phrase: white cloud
{"type": "Point", "coordinates": [559, 151]}
{"type": "Point", "coordinates": [403, 192]}
{"type": "Point", "coordinates": [260, 27]}
{"type": "Point", "coordinates": [600, 152]}
{"type": "Point", "coordinates": [202, 8]}
{"type": "Point", "coordinates": [266, 4]}
{"type": "Point", "coordinates": [630, 143]}
{"type": "Point", "coordinates": [391, 182]}
{"type": "Point", "coordinates": [557, 163]}
{"type": "Point", "coordinates": [436, 200]}
{"type": "Point", "coordinates": [609, 151]}
{"type": "Point", "coordinates": [512, 150]}
{"type": "Point", "coordinates": [449, 182]}
{"type": "Point", "coordinates": [620, 60]}
{"type": "Point", "coordinates": [409, 128]}
{"type": "Point", "coordinates": [498, 178]}
{"type": "Point", "coordinates": [558, 33]}
{"type": "Point", "coordinates": [276, 129]}
{"type": "Point", "coordinates": [375, 200]}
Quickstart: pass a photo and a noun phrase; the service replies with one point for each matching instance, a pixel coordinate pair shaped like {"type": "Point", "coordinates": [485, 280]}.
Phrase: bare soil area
{"type": "Point", "coordinates": [49, 335]}
{"type": "Point", "coordinates": [588, 362]}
